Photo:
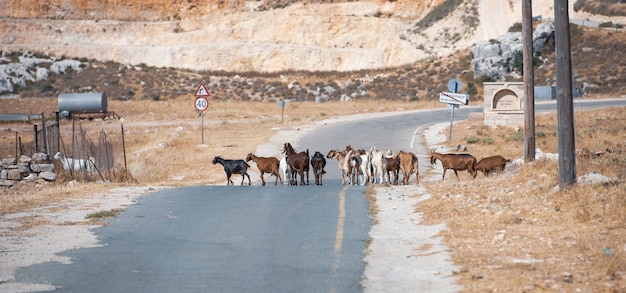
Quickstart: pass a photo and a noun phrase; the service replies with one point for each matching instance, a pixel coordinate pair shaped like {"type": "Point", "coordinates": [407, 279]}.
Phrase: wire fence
{"type": "Point", "coordinates": [103, 151]}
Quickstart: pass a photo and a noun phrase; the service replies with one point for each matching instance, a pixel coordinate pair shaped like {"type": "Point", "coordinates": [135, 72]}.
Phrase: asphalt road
{"type": "Point", "coordinates": [224, 239]}
{"type": "Point", "coordinates": [250, 238]}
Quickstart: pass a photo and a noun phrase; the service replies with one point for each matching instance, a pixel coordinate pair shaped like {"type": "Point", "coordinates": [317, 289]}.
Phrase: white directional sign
{"type": "Point", "coordinates": [452, 98]}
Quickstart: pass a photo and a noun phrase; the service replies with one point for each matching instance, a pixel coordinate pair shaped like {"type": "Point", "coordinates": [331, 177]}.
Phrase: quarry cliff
{"type": "Point", "coordinates": [259, 36]}
{"type": "Point", "coordinates": [235, 35]}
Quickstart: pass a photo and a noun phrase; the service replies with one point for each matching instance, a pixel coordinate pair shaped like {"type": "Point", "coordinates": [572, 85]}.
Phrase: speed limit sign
{"type": "Point", "coordinates": [201, 104]}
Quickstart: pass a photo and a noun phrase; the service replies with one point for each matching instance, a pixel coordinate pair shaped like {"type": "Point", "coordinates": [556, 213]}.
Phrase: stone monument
{"type": "Point", "coordinates": [504, 104]}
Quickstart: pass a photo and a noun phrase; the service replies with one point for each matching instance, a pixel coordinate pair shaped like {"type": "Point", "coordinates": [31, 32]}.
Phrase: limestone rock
{"type": "Point", "coordinates": [495, 58]}
{"type": "Point", "coordinates": [42, 167]}
{"type": "Point", "coordinates": [7, 183]}
{"type": "Point", "coordinates": [8, 161]}
{"type": "Point", "coordinates": [594, 178]}
{"type": "Point", "coordinates": [39, 158]}
{"type": "Point", "coordinates": [30, 178]}
{"type": "Point", "coordinates": [14, 174]}
{"type": "Point", "coordinates": [48, 176]}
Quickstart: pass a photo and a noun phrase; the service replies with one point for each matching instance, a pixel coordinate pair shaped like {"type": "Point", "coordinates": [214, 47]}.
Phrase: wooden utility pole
{"type": "Point", "coordinates": [564, 103]}
{"type": "Point", "coordinates": [529, 81]}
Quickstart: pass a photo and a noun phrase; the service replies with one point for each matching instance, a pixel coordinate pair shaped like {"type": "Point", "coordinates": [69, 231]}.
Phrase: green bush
{"type": "Point", "coordinates": [104, 214]}
{"type": "Point", "coordinates": [517, 136]}
{"type": "Point", "coordinates": [472, 139]}
{"type": "Point", "coordinates": [540, 133]}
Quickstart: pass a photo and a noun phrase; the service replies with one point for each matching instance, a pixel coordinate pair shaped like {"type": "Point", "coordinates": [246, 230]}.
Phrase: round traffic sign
{"type": "Point", "coordinates": [201, 104]}
{"type": "Point", "coordinates": [455, 85]}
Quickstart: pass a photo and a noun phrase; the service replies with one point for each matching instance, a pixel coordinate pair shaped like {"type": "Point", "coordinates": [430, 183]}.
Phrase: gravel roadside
{"type": "Point", "coordinates": [403, 255]}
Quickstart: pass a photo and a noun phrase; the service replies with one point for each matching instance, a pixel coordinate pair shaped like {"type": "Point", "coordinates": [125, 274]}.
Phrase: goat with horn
{"type": "Point", "coordinates": [456, 162]}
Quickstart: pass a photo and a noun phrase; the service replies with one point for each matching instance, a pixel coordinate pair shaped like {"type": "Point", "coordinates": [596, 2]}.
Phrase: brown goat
{"type": "Point", "coordinates": [360, 165]}
{"type": "Point", "coordinates": [299, 164]}
{"type": "Point", "coordinates": [393, 166]}
{"type": "Point", "coordinates": [266, 165]}
{"type": "Point", "coordinates": [491, 164]}
{"type": "Point", "coordinates": [456, 162]}
{"type": "Point", "coordinates": [408, 165]}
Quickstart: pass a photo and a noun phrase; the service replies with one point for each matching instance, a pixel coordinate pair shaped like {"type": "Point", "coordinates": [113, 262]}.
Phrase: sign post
{"type": "Point", "coordinates": [453, 99]}
{"type": "Point", "coordinates": [281, 104]}
{"type": "Point", "coordinates": [201, 104]}
{"type": "Point", "coordinates": [451, 106]}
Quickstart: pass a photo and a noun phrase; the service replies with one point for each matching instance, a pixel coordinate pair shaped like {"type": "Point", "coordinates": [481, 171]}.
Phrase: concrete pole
{"type": "Point", "coordinates": [565, 103]}
{"type": "Point", "coordinates": [529, 82]}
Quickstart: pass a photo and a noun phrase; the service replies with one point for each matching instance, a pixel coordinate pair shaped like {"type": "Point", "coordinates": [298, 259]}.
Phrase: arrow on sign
{"type": "Point", "coordinates": [202, 91]}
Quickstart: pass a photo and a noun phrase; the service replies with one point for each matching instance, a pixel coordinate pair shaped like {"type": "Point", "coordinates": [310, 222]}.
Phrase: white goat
{"type": "Point", "coordinates": [75, 164]}
{"type": "Point", "coordinates": [343, 164]}
{"type": "Point", "coordinates": [379, 165]}
{"type": "Point", "coordinates": [285, 171]}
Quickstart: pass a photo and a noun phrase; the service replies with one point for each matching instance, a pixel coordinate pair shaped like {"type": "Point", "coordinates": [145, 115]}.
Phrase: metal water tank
{"type": "Point", "coordinates": [82, 103]}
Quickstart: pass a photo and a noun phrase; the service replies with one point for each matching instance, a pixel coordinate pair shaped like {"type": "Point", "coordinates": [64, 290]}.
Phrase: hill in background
{"type": "Point", "coordinates": [597, 57]}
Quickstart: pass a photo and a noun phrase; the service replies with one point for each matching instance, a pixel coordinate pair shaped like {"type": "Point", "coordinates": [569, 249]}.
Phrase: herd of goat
{"type": "Point", "coordinates": [357, 166]}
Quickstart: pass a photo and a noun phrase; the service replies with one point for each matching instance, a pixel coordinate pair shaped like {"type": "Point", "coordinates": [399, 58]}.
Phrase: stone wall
{"type": "Point", "coordinates": [37, 169]}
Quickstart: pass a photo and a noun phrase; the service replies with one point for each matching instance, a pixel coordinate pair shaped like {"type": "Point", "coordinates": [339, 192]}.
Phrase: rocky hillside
{"type": "Point", "coordinates": [30, 69]}
{"type": "Point", "coordinates": [265, 36]}
{"type": "Point", "coordinates": [218, 35]}
{"type": "Point", "coordinates": [597, 56]}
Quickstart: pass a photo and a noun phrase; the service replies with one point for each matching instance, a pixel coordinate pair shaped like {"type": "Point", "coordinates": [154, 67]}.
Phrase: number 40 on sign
{"type": "Point", "coordinates": [201, 104]}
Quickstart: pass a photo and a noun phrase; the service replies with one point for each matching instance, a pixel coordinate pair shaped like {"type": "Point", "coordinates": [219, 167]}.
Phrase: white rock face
{"type": "Point", "coordinates": [318, 37]}
{"type": "Point", "coordinates": [14, 75]}
{"type": "Point", "coordinates": [345, 36]}
{"type": "Point", "coordinates": [205, 35]}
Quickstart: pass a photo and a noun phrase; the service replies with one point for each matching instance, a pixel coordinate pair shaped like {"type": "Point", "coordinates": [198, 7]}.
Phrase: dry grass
{"type": "Point", "coordinates": [31, 195]}
{"type": "Point", "coordinates": [514, 233]}
{"type": "Point", "coordinates": [370, 192]}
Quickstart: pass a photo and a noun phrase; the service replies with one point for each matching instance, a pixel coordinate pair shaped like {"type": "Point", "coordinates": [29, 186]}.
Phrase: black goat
{"type": "Point", "coordinates": [233, 167]}
{"type": "Point", "coordinates": [318, 163]}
